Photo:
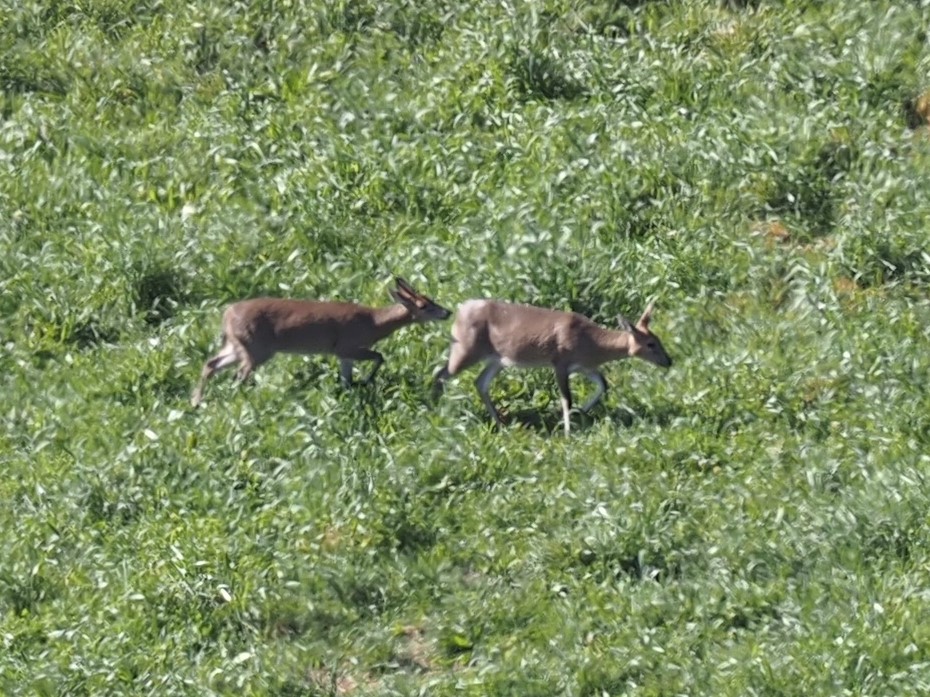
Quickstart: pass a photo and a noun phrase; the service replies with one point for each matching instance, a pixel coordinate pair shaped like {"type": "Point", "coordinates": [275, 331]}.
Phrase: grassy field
{"type": "Point", "coordinates": [754, 521]}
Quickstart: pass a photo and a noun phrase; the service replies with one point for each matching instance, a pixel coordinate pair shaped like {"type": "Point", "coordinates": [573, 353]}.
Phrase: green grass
{"type": "Point", "coordinates": [752, 522]}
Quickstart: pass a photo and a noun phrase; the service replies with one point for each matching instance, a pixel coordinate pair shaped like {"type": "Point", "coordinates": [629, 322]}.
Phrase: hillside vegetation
{"type": "Point", "coordinates": [753, 521]}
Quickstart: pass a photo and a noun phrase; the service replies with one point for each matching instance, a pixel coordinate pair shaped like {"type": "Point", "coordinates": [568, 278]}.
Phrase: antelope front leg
{"type": "Point", "coordinates": [483, 383]}
{"type": "Point", "coordinates": [346, 362]}
{"type": "Point", "coordinates": [225, 358]}
{"type": "Point", "coordinates": [439, 382]}
{"type": "Point", "coordinates": [345, 372]}
{"type": "Point", "coordinates": [561, 376]}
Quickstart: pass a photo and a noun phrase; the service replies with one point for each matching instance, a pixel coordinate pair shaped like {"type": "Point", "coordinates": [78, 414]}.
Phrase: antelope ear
{"type": "Point", "coordinates": [403, 286]}
{"type": "Point", "coordinates": [397, 297]}
{"type": "Point", "coordinates": [624, 324]}
{"type": "Point", "coordinates": [647, 315]}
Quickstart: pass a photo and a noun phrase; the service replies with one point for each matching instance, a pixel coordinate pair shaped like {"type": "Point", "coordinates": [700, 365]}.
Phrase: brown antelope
{"type": "Point", "coordinates": [255, 330]}
{"type": "Point", "coordinates": [504, 335]}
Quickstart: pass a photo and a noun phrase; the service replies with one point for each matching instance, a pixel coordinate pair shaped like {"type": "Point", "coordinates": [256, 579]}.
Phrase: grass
{"type": "Point", "coordinates": [752, 522]}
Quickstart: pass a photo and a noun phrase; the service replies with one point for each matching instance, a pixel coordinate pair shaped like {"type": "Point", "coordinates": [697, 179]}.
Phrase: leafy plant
{"type": "Point", "coordinates": [752, 521]}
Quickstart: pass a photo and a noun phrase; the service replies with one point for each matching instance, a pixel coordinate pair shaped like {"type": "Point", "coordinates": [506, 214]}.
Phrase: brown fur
{"type": "Point", "coordinates": [255, 330]}
{"type": "Point", "coordinates": [504, 335]}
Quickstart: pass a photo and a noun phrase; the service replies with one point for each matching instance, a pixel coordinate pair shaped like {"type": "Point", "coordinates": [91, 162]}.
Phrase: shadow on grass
{"type": "Point", "coordinates": [660, 414]}
{"type": "Point", "coordinates": [549, 421]}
